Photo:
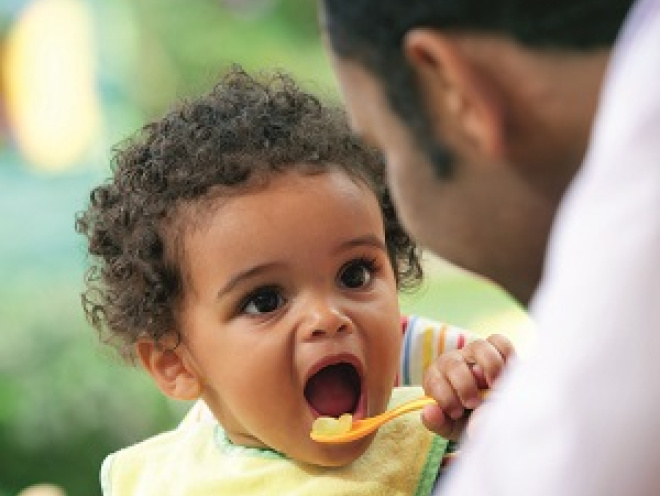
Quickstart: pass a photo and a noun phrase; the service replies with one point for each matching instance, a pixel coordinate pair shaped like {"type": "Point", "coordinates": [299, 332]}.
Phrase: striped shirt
{"type": "Point", "coordinates": [423, 341]}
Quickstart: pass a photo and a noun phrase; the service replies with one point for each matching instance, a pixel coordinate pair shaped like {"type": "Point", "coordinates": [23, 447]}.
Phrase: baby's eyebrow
{"type": "Point", "coordinates": [243, 275]}
{"type": "Point", "coordinates": [366, 240]}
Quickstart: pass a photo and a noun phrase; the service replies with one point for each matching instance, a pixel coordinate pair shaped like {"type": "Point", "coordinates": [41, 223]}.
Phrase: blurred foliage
{"type": "Point", "coordinates": [66, 401]}
{"type": "Point", "coordinates": [161, 50]}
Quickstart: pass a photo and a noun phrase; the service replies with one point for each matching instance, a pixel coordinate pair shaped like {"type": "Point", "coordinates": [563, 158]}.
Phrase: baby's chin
{"type": "Point", "coordinates": [338, 455]}
{"type": "Point", "coordinates": [305, 450]}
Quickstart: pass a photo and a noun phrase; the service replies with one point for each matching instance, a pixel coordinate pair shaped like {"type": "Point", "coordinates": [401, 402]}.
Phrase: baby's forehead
{"type": "Point", "coordinates": [225, 216]}
{"type": "Point", "coordinates": [195, 207]}
{"type": "Point", "coordinates": [194, 213]}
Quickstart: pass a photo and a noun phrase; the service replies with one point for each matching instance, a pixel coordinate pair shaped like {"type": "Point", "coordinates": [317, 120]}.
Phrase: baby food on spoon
{"type": "Point", "coordinates": [330, 426]}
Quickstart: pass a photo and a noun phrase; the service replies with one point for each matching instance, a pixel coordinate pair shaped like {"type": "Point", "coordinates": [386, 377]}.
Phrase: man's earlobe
{"type": "Point", "coordinates": [461, 101]}
{"type": "Point", "coordinates": [173, 374]}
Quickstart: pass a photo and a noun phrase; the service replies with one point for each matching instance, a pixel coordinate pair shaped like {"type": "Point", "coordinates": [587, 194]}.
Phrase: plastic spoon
{"type": "Point", "coordinates": [361, 428]}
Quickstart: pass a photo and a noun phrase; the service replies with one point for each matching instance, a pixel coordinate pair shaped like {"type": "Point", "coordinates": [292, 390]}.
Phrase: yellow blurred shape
{"type": "Point", "coordinates": [42, 490]}
{"type": "Point", "coordinates": [52, 104]}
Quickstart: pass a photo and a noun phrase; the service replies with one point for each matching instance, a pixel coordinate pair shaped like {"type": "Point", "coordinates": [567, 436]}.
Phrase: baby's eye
{"type": "Point", "coordinates": [357, 273]}
{"type": "Point", "coordinates": [263, 301]}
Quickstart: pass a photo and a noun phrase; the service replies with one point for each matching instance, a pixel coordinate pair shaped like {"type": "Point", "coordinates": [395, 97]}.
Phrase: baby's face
{"type": "Point", "coordinates": [290, 312]}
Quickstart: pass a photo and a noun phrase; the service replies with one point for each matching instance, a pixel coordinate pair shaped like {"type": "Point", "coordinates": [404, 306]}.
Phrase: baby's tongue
{"type": "Point", "coordinates": [333, 390]}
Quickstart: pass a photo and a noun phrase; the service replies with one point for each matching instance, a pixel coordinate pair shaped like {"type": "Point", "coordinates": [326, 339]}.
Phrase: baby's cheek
{"type": "Point", "coordinates": [388, 353]}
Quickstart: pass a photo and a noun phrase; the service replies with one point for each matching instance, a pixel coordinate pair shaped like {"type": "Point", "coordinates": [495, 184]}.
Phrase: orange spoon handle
{"type": "Point", "coordinates": [395, 412]}
{"type": "Point", "coordinates": [364, 427]}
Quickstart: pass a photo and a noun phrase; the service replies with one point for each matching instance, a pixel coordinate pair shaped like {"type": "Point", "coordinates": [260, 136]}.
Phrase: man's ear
{"type": "Point", "coordinates": [456, 91]}
{"type": "Point", "coordinates": [170, 369]}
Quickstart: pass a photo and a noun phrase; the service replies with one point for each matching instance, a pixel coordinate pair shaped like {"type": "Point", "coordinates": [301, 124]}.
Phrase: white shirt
{"type": "Point", "coordinates": [581, 417]}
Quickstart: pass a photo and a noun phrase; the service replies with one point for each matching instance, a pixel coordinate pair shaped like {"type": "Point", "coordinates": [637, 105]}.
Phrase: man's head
{"type": "Point", "coordinates": [496, 97]}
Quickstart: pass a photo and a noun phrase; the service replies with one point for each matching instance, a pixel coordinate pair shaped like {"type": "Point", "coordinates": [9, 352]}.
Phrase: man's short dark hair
{"type": "Point", "coordinates": [371, 32]}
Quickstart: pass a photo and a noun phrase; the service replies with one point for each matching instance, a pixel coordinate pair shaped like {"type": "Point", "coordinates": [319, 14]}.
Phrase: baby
{"type": "Point", "coordinates": [246, 253]}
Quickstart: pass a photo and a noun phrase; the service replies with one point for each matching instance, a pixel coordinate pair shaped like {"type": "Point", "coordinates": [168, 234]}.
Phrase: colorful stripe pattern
{"type": "Point", "coordinates": [423, 341]}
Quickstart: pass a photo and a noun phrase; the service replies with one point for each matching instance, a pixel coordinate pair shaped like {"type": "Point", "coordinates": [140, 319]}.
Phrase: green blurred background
{"type": "Point", "coordinates": [77, 76]}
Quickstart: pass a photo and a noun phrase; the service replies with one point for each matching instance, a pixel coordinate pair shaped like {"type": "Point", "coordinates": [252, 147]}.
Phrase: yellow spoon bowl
{"type": "Point", "coordinates": [361, 428]}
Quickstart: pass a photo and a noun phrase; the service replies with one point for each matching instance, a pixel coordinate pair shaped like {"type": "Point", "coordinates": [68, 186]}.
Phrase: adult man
{"type": "Point", "coordinates": [512, 129]}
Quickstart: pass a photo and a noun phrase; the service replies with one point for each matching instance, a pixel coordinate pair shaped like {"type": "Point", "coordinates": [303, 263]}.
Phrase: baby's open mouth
{"type": "Point", "coordinates": [334, 390]}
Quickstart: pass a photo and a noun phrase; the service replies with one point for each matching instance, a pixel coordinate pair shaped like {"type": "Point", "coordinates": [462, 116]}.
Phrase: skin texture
{"type": "Point", "coordinates": [303, 253]}
{"type": "Point", "coordinates": [516, 122]}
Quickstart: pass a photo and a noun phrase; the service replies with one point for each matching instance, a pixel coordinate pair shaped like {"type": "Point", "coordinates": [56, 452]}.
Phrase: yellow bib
{"type": "Point", "coordinates": [197, 460]}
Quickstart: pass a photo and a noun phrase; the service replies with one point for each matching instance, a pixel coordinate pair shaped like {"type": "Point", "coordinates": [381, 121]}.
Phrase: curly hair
{"type": "Point", "coordinates": [234, 138]}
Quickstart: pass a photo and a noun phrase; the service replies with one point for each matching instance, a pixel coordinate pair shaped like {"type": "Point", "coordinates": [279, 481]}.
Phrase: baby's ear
{"type": "Point", "coordinates": [170, 370]}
